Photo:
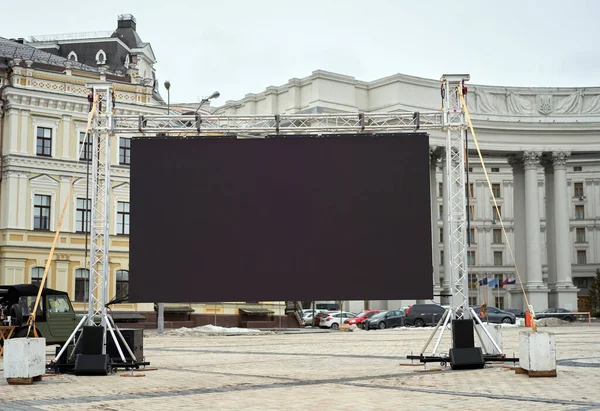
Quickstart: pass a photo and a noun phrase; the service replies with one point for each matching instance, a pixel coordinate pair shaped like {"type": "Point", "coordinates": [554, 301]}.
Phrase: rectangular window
{"type": "Point", "coordinates": [499, 278]}
{"type": "Point", "coordinates": [497, 236]}
{"type": "Point", "coordinates": [496, 213]}
{"type": "Point", "coordinates": [580, 235]}
{"type": "Point", "coordinates": [471, 258]}
{"type": "Point", "coordinates": [495, 169]}
{"type": "Point", "coordinates": [85, 147]}
{"type": "Point", "coordinates": [41, 212]}
{"type": "Point", "coordinates": [496, 190]}
{"type": "Point", "coordinates": [441, 211]}
{"type": "Point", "coordinates": [82, 284]}
{"type": "Point", "coordinates": [122, 218]}
{"type": "Point", "coordinates": [577, 168]}
{"type": "Point", "coordinates": [83, 216]}
{"type": "Point", "coordinates": [442, 258]}
{"type": "Point", "coordinates": [499, 302]}
{"type": "Point", "coordinates": [473, 301]}
{"type": "Point", "coordinates": [579, 212]}
{"type": "Point", "coordinates": [441, 234]}
{"type": "Point", "coordinates": [44, 141]}
{"type": "Point", "coordinates": [578, 187]}
{"type": "Point", "coordinates": [472, 236]}
{"type": "Point", "coordinates": [440, 190]}
{"type": "Point", "coordinates": [581, 282]}
{"type": "Point", "coordinates": [470, 211]}
{"type": "Point", "coordinates": [124, 150]}
{"type": "Point", "coordinates": [581, 257]}
{"type": "Point", "coordinates": [497, 257]}
{"type": "Point", "coordinates": [470, 169]}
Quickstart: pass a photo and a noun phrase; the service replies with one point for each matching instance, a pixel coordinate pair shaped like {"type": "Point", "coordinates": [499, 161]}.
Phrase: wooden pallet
{"type": "Point", "coordinates": [24, 380]}
{"type": "Point", "coordinates": [551, 373]}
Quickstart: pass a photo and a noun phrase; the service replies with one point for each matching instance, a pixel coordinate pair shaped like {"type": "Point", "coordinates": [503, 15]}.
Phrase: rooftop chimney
{"type": "Point", "coordinates": [126, 21]}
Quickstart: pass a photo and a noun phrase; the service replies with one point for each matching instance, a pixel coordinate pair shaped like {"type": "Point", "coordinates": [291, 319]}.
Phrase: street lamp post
{"type": "Point", "coordinates": [216, 94]}
{"type": "Point", "coordinates": [168, 87]}
{"type": "Point", "coordinates": [160, 320]}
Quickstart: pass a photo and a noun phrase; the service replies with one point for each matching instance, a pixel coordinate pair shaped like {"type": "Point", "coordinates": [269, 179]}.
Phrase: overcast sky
{"type": "Point", "coordinates": [240, 47]}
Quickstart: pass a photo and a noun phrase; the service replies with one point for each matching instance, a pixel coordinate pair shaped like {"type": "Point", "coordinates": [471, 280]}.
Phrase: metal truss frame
{"type": "Point", "coordinates": [106, 125]}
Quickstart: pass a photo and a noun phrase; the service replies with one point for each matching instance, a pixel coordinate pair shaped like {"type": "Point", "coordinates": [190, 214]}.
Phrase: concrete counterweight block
{"type": "Point", "coordinates": [495, 330]}
{"type": "Point", "coordinates": [24, 360]}
{"type": "Point", "coordinates": [537, 354]}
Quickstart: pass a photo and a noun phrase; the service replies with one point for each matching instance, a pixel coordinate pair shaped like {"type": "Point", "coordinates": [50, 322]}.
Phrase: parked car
{"type": "Point", "coordinates": [385, 319]}
{"type": "Point", "coordinates": [320, 316]}
{"type": "Point", "coordinates": [420, 315]}
{"type": "Point", "coordinates": [496, 315]}
{"type": "Point", "coordinates": [362, 317]}
{"type": "Point", "coordinates": [517, 312]}
{"type": "Point", "coordinates": [560, 313]}
{"type": "Point", "coordinates": [334, 319]}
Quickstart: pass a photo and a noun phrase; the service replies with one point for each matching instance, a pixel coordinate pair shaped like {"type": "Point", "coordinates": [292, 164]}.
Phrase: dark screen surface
{"type": "Point", "coordinates": [280, 219]}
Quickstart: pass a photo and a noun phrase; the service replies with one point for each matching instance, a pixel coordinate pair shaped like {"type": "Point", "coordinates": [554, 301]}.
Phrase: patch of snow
{"type": "Point", "coordinates": [210, 329]}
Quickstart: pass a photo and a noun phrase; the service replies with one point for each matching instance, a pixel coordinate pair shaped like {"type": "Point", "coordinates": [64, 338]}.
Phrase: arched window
{"type": "Point", "coordinates": [122, 284]}
{"type": "Point", "coordinates": [72, 56]}
{"type": "Point", "coordinates": [82, 284]}
{"type": "Point", "coordinates": [126, 64]}
{"type": "Point", "coordinates": [36, 276]}
{"type": "Point", "coordinates": [100, 57]}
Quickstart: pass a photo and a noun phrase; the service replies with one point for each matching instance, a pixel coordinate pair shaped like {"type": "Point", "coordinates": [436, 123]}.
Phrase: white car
{"type": "Point", "coordinates": [333, 319]}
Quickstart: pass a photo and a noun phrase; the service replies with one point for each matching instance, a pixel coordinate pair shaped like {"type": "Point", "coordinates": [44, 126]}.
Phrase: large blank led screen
{"type": "Point", "coordinates": [343, 217]}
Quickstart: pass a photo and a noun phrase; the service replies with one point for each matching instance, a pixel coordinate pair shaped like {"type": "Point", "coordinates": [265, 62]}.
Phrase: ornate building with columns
{"type": "Point", "coordinates": [43, 119]}
{"type": "Point", "coordinates": [541, 150]}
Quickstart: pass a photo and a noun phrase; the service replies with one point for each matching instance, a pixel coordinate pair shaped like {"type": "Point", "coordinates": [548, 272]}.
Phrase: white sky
{"type": "Point", "coordinates": [240, 47]}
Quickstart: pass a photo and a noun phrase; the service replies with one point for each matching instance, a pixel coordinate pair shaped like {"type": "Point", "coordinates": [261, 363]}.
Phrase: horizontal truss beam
{"type": "Point", "coordinates": [277, 124]}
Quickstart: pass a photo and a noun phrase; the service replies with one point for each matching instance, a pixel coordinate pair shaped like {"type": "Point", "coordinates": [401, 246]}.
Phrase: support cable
{"type": "Point", "coordinates": [487, 177]}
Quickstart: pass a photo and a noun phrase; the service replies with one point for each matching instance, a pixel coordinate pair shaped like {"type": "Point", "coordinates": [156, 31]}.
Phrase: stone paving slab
{"type": "Point", "coordinates": [331, 371]}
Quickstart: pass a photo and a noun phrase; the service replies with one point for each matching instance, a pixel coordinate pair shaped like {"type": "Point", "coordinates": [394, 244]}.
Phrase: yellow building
{"type": "Point", "coordinates": [43, 118]}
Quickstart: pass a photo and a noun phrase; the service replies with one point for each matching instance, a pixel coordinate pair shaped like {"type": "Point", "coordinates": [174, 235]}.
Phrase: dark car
{"type": "Point", "coordinates": [560, 313]}
{"type": "Point", "coordinates": [55, 317]}
{"type": "Point", "coordinates": [385, 319]}
{"type": "Point", "coordinates": [517, 312]}
{"type": "Point", "coordinates": [420, 315]}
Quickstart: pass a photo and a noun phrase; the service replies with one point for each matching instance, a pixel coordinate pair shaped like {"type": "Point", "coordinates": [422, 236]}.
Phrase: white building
{"type": "Point", "coordinates": [541, 149]}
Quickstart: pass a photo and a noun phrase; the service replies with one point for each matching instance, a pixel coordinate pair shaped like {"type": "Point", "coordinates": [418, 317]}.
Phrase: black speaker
{"type": "Point", "coordinates": [91, 364]}
{"type": "Point", "coordinates": [463, 334]}
{"type": "Point", "coordinates": [91, 340]}
{"type": "Point", "coordinates": [135, 340]}
{"type": "Point", "coordinates": [466, 358]}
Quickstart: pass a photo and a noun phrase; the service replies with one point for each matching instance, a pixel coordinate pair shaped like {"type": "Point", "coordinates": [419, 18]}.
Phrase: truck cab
{"type": "Point", "coordinates": [55, 317]}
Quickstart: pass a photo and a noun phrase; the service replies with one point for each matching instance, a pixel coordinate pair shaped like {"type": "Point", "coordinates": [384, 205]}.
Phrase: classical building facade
{"type": "Point", "coordinates": [541, 149]}
{"type": "Point", "coordinates": [43, 120]}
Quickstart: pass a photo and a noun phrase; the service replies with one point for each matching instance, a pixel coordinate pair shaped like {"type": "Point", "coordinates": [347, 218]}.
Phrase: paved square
{"type": "Point", "coordinates": [329, 371]}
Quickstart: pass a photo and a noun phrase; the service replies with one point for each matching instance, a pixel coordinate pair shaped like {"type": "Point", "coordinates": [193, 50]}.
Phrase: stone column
{"type": "Point", "coordinates": [64, 143]}
{"type": "Point", "coordinates": [536, 290]}
{"type": "Point", "coordinates": [562, 292]}
{"type": "Point", "coordinates": [434, 155]}
{"type": "Point", "coordinates": [67, 224]}
{"type": "Point", "coordinates": [26, 132]}
{"type": "Point", "coordinates": [520, 250]}
{"type": "Point", "coordinates": [11, 133]}
{"type": "Point", "coordinates": [10, 190]}
{"type": "Point", "coordinates": [447, 272]}
{"type": "Point", "coordinates": [550, 226]}
{"type": "Point", "coordinates": [23, 205]}
{"type": "Point", "coordinates": [61, 281]}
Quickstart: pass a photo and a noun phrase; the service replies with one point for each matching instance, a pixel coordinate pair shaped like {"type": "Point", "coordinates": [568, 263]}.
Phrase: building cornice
{"type": "Point", "coordinates": [30, 164]}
